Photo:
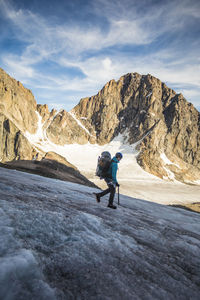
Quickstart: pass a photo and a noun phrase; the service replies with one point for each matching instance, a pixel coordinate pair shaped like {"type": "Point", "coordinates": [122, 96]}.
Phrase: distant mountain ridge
{"type": "Point", "coordinates": [140, 107]}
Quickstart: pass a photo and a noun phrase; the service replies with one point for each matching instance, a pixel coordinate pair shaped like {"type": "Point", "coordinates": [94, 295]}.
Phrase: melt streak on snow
{"type": "Point", "coordinates": [58, 243]}
{"type": "Point", "coordinates": [134, 181]}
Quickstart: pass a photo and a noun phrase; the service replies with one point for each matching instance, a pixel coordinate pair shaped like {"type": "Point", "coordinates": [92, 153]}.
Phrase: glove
{"type": "Point", "coordinates": [117, 184]}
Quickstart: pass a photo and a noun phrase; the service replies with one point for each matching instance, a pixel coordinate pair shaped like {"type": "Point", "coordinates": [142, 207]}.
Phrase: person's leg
{"type": "Point", "coordinates": [111, 190]}
{"type": "Point", "coordinates": [103, 193]}
{"type": "Point", "coordinates": [112, 194]}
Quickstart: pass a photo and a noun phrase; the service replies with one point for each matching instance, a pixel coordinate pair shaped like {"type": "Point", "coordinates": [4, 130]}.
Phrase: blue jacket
{"type": "Point", "coordinates": [113, 169]}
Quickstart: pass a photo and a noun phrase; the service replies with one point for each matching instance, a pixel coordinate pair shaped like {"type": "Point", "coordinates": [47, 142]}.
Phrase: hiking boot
{"type": "Point", "coordinates": [112, 206]}
{"type": "Point", "coordinates": [97, 197]}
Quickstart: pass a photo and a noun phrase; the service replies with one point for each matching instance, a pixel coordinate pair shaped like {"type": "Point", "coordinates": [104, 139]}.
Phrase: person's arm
{"type": "Point", "coordinates": [114, 172]}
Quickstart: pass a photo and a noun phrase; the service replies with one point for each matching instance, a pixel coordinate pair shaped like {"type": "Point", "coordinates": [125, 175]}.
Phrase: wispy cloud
{"type": "Point", "coordinates": [139, 36]}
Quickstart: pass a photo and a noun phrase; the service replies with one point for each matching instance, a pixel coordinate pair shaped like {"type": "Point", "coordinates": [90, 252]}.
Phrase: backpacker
{"type": "Point", "coordinates": [103, 164]}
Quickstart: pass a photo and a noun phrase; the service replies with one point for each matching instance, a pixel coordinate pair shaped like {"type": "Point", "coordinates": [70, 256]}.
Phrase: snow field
{"type": "Point", "coordinates": [134, 181]}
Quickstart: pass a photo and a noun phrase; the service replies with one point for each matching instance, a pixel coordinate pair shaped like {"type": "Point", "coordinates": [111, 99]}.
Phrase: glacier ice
{"type": "Point", "coordinates": [58, 243]}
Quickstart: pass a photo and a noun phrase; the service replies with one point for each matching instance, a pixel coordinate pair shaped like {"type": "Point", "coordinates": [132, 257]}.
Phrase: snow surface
{"type": "Point", "coordinates": [134, 181]}
{"type": "Point", "coordinates": [149, 94]}
{"type": "Point", "coordinates": [167, 161]}
{"type": "Point", "coordinates": [56, 242]}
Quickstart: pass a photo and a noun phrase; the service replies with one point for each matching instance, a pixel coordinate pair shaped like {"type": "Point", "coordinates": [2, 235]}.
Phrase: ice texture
{"type": "Point", "coordinates": [56, 242]}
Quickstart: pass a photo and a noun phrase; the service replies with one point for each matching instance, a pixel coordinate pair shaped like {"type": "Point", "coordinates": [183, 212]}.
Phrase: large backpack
{"type": "Point", "coordinates": [103, 164]}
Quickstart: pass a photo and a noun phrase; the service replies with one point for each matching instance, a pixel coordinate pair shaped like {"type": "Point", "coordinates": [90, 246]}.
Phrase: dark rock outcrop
{"type": "Point", "coordinates": [53, 166]}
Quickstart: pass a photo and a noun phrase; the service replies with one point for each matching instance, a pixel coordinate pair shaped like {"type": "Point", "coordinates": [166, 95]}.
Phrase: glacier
{"type": "Point", "coordinates": [58, 243]}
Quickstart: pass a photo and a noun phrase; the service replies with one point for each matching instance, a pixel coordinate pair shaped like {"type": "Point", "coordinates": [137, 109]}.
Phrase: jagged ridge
{"type": "Point", "coordinates": [164, 121]}
{"type": "Point", "coordinates": [167, 126]}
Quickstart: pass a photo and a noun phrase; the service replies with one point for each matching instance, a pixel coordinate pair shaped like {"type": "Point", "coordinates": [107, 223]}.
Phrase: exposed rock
{"type": "Point", "coordinates": [43, 110]}
{"type": "Point", "coordinates": [183, 122]}
{"type": "Point", "coordinates": [17, 103]}
{"type": "Point", "coordinates": [53, 166]}
{"type": "Point", "coordinates": [59, 158]}
{"type": "Point", "coordinates": [13, 143]}
{"type": "Point", "coordinates": [64, 129]}
{"type": "Point", "coordinates": [151, 112]}
{"type": "Point", "coordinates": [190, 206]}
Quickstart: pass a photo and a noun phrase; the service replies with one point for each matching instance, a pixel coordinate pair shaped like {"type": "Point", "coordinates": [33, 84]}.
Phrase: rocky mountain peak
{"type": "Point", "coordinates": [134, 101]}
{"type": "Point", "coordinates": [17, 103]}
{"type": "Point", "coordinates": [149, 112]}
{"type": "Point", "coordinates": [43, 110]}
{"type": "Point", "coordinates": [165, 126]}
{"type": "Point", "coordinates": [17, 115]}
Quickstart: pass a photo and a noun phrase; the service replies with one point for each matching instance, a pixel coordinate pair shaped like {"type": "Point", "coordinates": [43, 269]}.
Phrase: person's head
{"type": "Point", "coordinates": [119, 156]}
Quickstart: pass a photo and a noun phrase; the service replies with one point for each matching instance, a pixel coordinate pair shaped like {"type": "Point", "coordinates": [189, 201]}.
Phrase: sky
{"type": "Point", "coordinates": [66, 50]}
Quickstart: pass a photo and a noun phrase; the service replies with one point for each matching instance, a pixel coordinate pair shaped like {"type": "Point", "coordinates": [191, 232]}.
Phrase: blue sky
{"type": "Point", "coordinates": [68, 49]}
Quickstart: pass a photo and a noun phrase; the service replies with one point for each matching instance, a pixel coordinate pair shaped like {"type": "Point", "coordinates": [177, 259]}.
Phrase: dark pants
{"type": "Point", "coordinates": [111, 190]}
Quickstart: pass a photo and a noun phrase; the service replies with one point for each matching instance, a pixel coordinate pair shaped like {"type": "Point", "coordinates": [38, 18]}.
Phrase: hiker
{"type": "Point", "coordinates": [111, 180]}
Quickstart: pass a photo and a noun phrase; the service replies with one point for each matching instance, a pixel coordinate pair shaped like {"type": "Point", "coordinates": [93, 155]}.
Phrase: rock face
{"type": "Point", "coordinates": [13, 143]}
{"type": "Point", "coordinates": [147, 110]}
{"type": "Point", "coordinates": [17, 114]}
{"type": "Point", "coordinates": [134, 102]}
{"type": "Point", "coordinates": [17, 103]}
{"type": "Point", "coordinates": [64, 129]}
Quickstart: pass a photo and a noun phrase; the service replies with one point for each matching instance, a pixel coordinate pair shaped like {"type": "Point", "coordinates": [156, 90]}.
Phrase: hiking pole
{"type": "Point", "coordinates": [118, 195]}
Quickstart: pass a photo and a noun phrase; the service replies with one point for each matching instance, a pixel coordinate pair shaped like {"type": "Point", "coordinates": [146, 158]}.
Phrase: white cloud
{"type": "Point", "coordinates": [46, 40]}
{"type": "Point", "coordinates": [17, 68]}
{"type": "Point", "coordinates": [66, 46]}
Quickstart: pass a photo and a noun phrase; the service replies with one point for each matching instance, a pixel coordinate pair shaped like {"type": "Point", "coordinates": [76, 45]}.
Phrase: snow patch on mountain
{"type": "Point", "coordinates": [134, 181]}
{"type": "Point", "coordinates": [79, 123]}
{"type": "Point", "coordinates": [167, 161]}
{"type": "Point", "coordinates": [40, 136]}
{"type": "Point", "coordinates": [149, 94]}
